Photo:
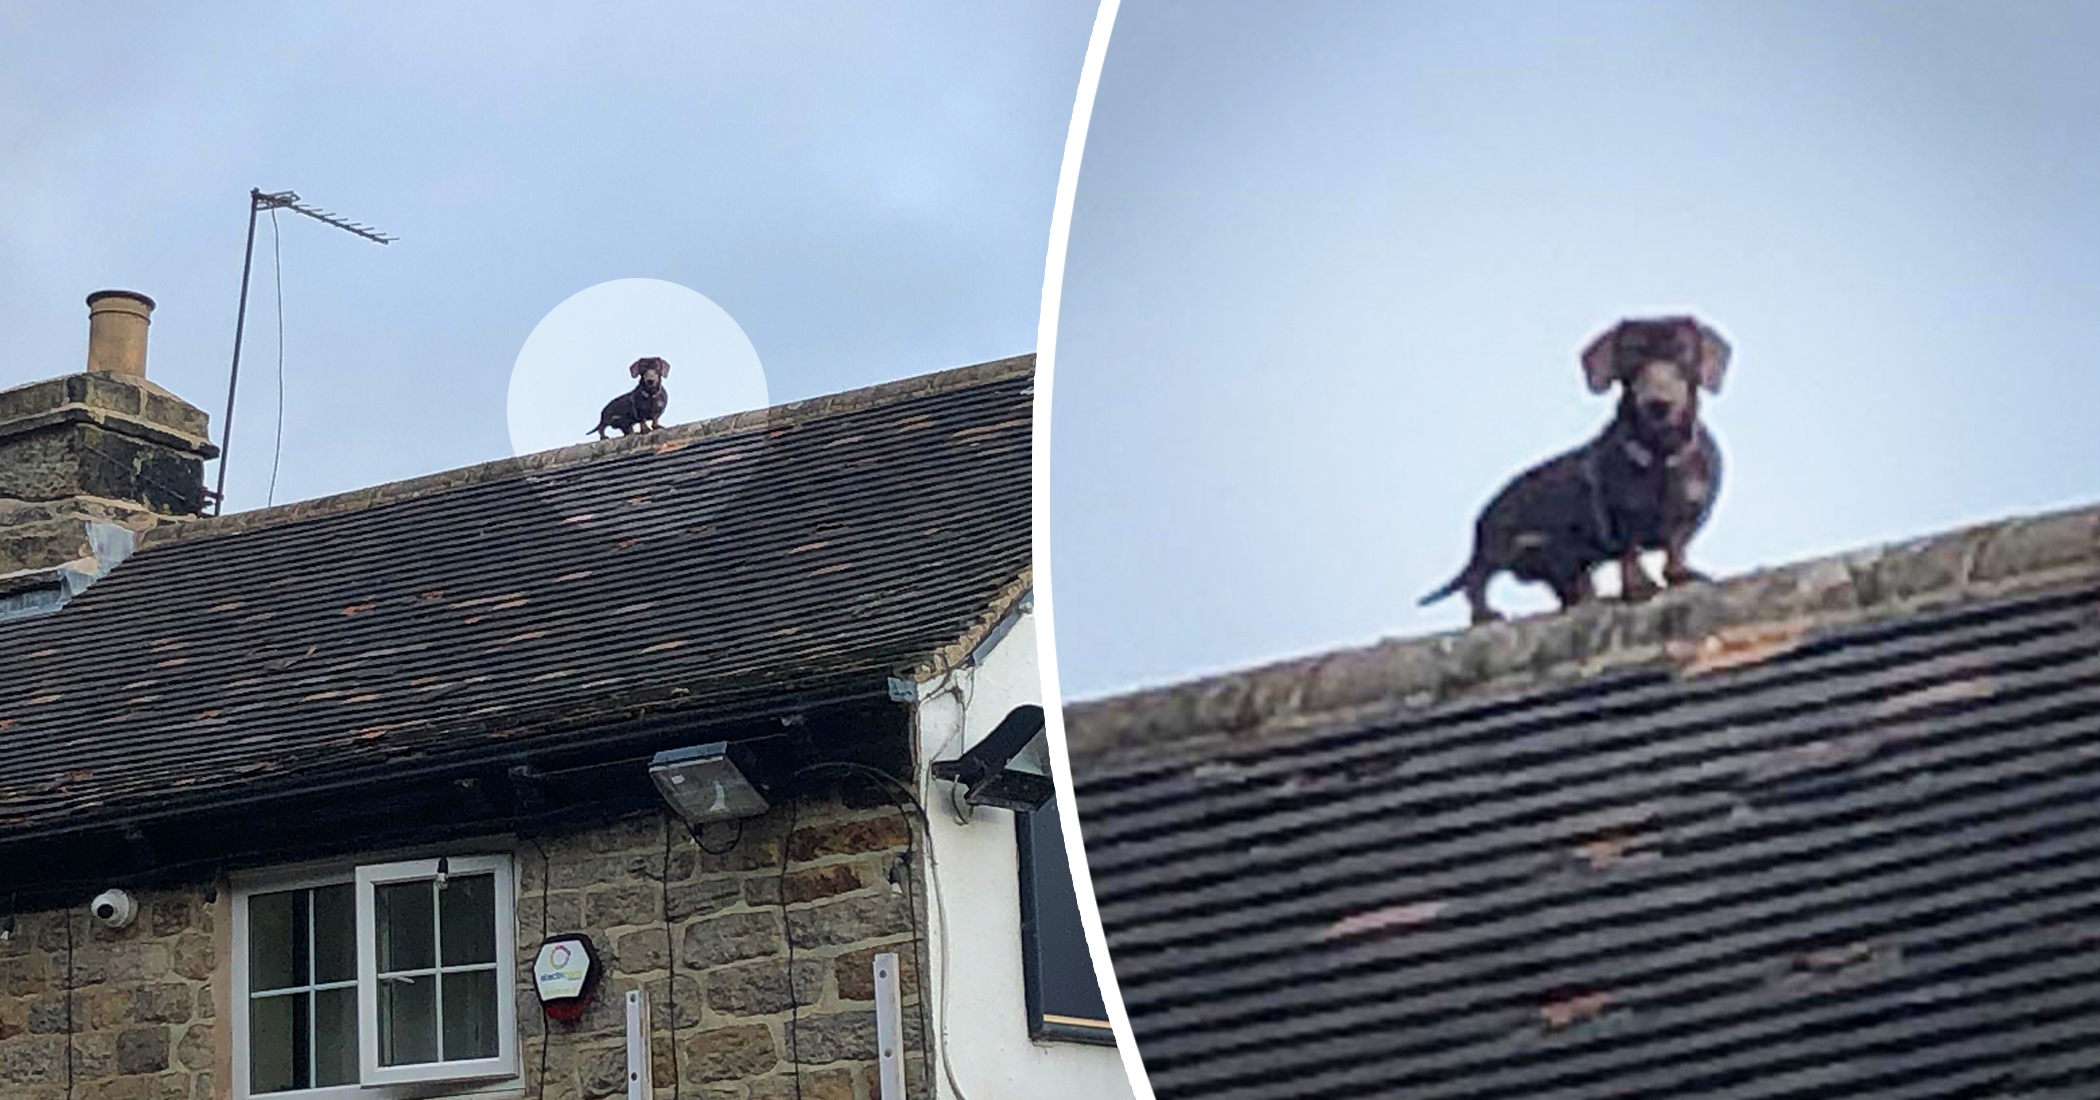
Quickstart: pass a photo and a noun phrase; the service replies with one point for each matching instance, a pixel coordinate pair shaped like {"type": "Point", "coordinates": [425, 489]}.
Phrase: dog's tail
{"type": "Point", "coordinates": [1456, 583]}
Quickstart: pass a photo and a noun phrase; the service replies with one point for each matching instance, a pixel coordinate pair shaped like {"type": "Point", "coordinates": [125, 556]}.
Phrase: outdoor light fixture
{"type": "Point", "coordinates": [703, 784]}
{"type": "Point", "coordinates": [1010, 768]}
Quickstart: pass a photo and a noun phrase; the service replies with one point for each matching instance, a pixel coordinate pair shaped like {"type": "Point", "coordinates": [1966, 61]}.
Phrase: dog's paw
{"type": "Point", "coordinates": [1686, 575]}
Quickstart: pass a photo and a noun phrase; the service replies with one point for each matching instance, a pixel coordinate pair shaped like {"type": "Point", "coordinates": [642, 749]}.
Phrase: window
{"type": "Point", "coordinates": [348, 982]}
{"type": "Point", "coordinates": [1064, 1000]}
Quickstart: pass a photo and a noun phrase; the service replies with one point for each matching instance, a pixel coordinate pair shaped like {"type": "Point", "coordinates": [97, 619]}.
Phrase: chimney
{"type": "Point", "coordinates": [117, 321]}
{"type": "Point", "coordinates": [89, 461]}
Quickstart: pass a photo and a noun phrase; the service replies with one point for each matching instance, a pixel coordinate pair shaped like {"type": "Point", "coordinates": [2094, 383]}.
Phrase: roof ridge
{"type": "Point", "coordinates": [1734, 621]}
{"type": "Point", "coordinates": [680, 435]}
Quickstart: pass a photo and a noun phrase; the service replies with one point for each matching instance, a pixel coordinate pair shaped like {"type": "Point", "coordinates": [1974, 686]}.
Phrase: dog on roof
{"type": "Point", "coordinates": [640, 408]}
{"type": "Point", "coordinates": [1646, 483]}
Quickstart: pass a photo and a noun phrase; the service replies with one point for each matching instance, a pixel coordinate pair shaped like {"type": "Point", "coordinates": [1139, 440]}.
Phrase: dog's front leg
{"type": "Point", "coordinates": [1635, 584]}
{"type": "Point", "coordinates": [1576, 590]}
{"type": "Point", "coordinates": [1675, 570]}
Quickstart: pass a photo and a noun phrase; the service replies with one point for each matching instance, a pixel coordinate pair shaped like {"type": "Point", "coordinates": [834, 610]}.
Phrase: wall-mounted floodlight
{"type": "Point", "coordinates": [703, 784]}
{"type": "Point", "coordinates": [1010, 768]}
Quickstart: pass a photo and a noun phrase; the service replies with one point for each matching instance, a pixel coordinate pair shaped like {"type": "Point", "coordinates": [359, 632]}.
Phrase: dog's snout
{"type": "Point", "coordinates": [1656, 408]}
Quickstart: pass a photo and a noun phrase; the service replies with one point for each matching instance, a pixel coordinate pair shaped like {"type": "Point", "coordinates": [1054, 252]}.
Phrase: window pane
{"type": "Point", "coordinates": [408, 1019]}
{"type": "Point", "coordinates": [277, 1043]}
{"type": "Point", "coordinates": [335, 934]}
{"type": "Point", "coordinates": [407, 925]}
{"type": "Point", "coordinates": [335, 1036]}
{"type": "Point", "coordinates": [276, 940]}
{"type": "Point", "coordinates": [468, 904]}
{"type": "Point", "coordinates": [470, 1015]}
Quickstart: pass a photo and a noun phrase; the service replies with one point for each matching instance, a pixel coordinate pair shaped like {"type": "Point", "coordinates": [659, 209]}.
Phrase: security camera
{"type": "Point", "coordinates": [1009, 769]}
{"type": "Point", "coordinates": [114, 908]}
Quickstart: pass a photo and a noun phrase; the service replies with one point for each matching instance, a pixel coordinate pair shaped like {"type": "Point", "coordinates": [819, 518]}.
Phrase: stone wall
{"type": "Point", "coordinates": [735, 1026]}
{"type": "Point", "coordinates": [142, 1015]}
{"type": "Point", "coordinates": [144, 1019]}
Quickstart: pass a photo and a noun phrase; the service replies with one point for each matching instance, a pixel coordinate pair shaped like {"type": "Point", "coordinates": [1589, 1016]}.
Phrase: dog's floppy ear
{"type": "Point", "coordinates": [635, 368]}
{"type": "Point", "coordinates": [663, 367]}
{"type": "Point", "coordinates": [1712, 357]}
{"type": "Point", "coordinates": [1600, 361]}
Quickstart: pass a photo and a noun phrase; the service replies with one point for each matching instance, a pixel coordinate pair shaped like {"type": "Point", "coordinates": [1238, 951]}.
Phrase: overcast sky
{"type": "Point", "coordinates": [864, 188]}
{"type": "Point", "coordinates": [1331, 267]}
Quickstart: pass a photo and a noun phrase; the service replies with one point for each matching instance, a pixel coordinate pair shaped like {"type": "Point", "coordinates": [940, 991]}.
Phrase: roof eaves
{"type": "Point", "coordinates": [1691, 631]}
{"type": "Point", "coordinates": [998, 615]}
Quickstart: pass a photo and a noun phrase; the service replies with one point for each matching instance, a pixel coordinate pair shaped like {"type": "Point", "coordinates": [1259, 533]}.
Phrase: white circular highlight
{"type": "Point", "coordinates": [576, 361]}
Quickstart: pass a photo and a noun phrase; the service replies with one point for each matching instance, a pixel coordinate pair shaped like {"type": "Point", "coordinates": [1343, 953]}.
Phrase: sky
{"type": "Point", "coordinates": [1331, 267]}
{"type": "Point", "coordinates": [865, 189]}
{"type": "Point", "coordinates": [562, 367]}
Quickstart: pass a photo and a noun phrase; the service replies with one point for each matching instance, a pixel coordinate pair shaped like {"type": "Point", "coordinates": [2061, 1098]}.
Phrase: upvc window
{"type": "Point", "coordinates": [369, 981]}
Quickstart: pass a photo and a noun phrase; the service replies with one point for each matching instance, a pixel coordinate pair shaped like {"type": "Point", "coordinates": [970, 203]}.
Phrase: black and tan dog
{"type": "Point", "coordinates": [1648, 482]}
{"type": "Point", "coordinates": [639, 408]}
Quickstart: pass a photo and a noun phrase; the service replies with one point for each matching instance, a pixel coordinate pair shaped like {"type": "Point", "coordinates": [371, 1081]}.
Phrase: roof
{"type": "Point", "coordinates": [808, 551]}
{"type": "Point", "coordinates": [1831, 830]}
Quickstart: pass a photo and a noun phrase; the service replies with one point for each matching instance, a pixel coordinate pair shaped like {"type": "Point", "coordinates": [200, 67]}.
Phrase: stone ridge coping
{"type": "Point", "coordinates": [1704, 628]}
{"type": "Point", "coordinates": [796, 412]}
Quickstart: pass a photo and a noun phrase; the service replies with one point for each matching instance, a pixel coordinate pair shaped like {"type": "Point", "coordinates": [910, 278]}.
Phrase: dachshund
{"type": "Point", "coordinates": [640, 408]}
{"type": "Point", "coordinates": [1647, 482]}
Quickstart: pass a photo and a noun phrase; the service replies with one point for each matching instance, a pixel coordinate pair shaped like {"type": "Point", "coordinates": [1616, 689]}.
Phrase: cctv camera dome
{"type": "Point", "coordinates": [114, 908]}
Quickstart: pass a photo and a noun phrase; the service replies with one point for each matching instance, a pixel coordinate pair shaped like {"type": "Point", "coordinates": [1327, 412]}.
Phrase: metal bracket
{"type": "Point", "coordinates": [889, 1027]}
{"type": "Point", "coordinates": [641, 1080]}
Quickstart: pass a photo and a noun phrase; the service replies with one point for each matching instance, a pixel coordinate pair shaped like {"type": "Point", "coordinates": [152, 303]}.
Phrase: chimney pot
{"type": "Point", "coordinates": [117, 321]}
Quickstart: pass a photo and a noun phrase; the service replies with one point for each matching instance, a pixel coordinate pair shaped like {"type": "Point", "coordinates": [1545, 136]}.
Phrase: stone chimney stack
{"type": "Point", "coordinates": [89, 461]}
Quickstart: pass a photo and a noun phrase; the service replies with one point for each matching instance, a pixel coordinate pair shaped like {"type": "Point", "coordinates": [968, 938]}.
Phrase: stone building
{"type": "Point", "coordinates": [1830, 830]}
{"type": "Point", "coordinates": [349, 763]}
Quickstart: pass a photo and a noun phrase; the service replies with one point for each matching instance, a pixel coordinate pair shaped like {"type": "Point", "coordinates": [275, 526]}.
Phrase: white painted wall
{"type": "Point", "coordinates": [979, 879]}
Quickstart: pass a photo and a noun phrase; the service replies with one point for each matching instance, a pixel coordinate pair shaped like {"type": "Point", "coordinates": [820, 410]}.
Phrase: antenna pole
{"type": "Point", "coordinates": [240, 321]}
{"type": "Point", "coordinates": [258, 201]}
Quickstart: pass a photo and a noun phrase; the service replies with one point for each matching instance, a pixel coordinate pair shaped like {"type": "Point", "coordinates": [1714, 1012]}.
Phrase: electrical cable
{"type": "Point", "coordinates": [899, 796]}
{"type": "Point", "coordinates": [735, 839]}
{"type": "Point", "coordinates": [933, 879]}
{"type": "Point", "coordinates": [546, 1031]}
{"type": "Point", "coordinates": [277, 273]}
{"type": "Point", "coordinates": [68, 912]}
{"type": "Point", "coordinates": [788, 932]}
{"type": "Point", "coordinates": [671, 945]}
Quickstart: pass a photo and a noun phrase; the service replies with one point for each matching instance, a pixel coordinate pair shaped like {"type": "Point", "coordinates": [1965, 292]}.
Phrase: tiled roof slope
{"type": "Point", "coordinates": [808, 550]}
{"type": "Point", "coordinates": [1827, 831]}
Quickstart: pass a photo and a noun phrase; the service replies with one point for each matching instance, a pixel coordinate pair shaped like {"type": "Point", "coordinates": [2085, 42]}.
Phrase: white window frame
{"type": "Point", "coordinates": [505, 1063]}
{"type": "Point", "coordinates": [493, 1077]}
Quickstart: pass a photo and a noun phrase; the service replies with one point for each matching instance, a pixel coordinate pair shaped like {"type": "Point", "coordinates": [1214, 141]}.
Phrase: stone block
{"type": "Point", "coordinates": [732, 937]}
{"type": "Point", "coordinates": [761, 988]}
{"type": "Point", "coordinates": [849, 920]}
{"type": "Point", "coordinates": [728, 1053]}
